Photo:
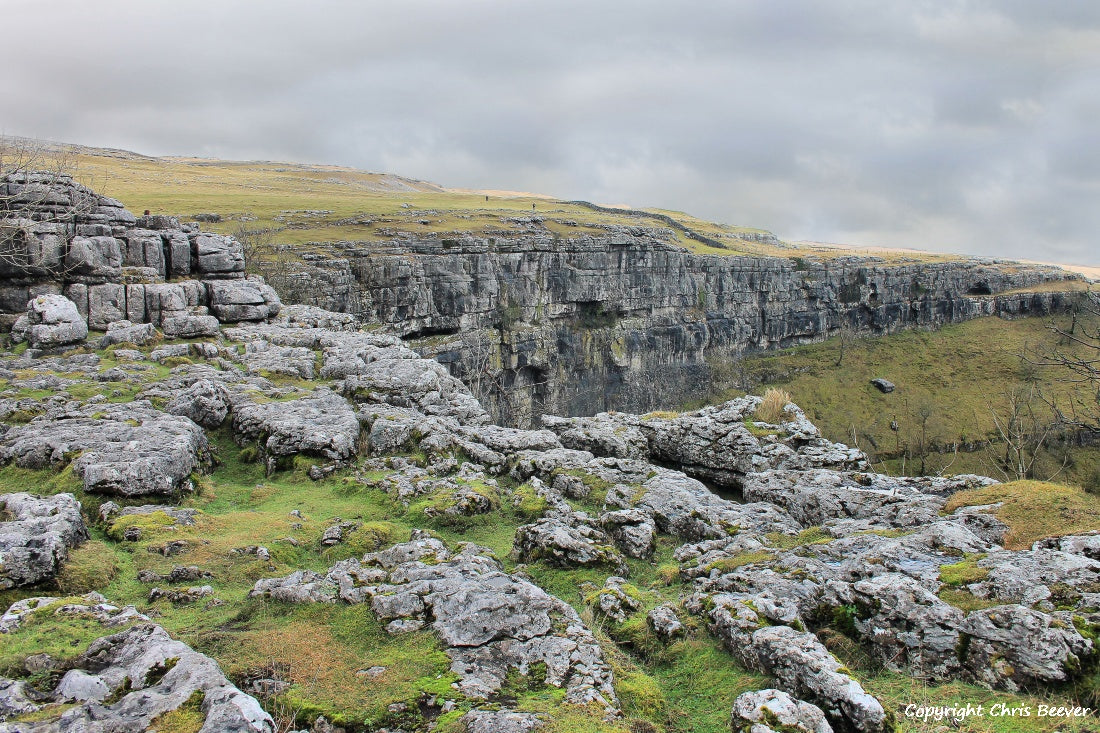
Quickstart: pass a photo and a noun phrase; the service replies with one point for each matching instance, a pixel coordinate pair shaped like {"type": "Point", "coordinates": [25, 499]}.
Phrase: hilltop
{"type": "Point", "coordinates": [305, 203]}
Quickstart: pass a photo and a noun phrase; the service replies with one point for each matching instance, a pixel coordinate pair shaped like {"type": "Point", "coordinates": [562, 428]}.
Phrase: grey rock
{"type": "Point", "coordinates": [189, 595]}
{"type": "Point", "coordinates": [205, 402]}
{"type": "Point", "coordinates": [92, 605]}
{"type": "Point", "coordinates": [819, 496]}
{"type": "Point", "coordinates": [214, 254]}
{"type": "Point", "coordinates": [614, 601]}
{"type": "Point", "coordinates": [564, 544]}
{"type": "Point", "coordinates": [665, 622]}
{"type": "Point", "coordinates": [185, 325]}
{"type": "Point", "coordinates": [124, 449]}
{"type": "Point", "coordinates": [322, 423]}
{"type": "Point", "coordinates": [772, 711]}
{"type": "Point", "coordinates": [883, 385]}
{"type": "Point", "coordinates": [1012, 647]}
{"type": "Point", "coordinates": [79, 686]}
{"type": "Point", "coordinates": [490, 621]}
{"type": "Point", "coordinates": [163, 674]}
{"type": "Point", "coordinates": [37, 539]}
{"type": "Point", "coordinates": [633, 531]}
{"type": "Point", "coordinates": [124, 332]}
{"type": "Point", "coordinates": [233, 301]}
{"type": "Point", "coordinates": [17, 698]}
{"type": "Point", "coordinates": [53, 320]}
{"type": "Point", "coordinates": [501, 721]}
{"type": "Point", "coordinates": [295, 361]}
{"type": "Point", "coordinates": [801, 666]}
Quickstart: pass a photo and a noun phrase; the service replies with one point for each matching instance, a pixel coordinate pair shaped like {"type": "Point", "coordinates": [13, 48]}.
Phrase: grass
{"type": "Point", "coordinates": [306, 205]}
{"type": "Point", "coordinates": [963, 572]}
{"type": "Point", "coordinates": [684, 686]}
{"type": "Point", "coordinates": [773, 406]}
{"type": "Point", "coordinates": [1034, 509]}
{"type": "Point", "coordinates": [950, 382]}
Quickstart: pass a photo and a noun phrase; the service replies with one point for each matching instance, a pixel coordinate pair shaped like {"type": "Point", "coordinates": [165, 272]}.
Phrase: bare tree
{"type": "Point", "coordinates": [1024, 424]}
{"type": "Point", "coordinates": [846, 336]}
{"type": "Point", "coordinates": [40, 205]}
{"type": "Point", "coordinates": [263, 255]}
{"type": "Point", "coordinates": [1077, 356]}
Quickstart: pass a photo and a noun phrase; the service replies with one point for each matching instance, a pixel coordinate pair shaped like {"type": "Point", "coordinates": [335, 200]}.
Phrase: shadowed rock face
{"type": "Point", "coordinates": [632, 322]}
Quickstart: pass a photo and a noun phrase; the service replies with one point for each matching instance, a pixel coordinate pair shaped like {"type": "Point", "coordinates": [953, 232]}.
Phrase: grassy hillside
{"type": "Point", "coordinates": [305, 204]}
{"type": "Point", "coordinates": [951, 384]}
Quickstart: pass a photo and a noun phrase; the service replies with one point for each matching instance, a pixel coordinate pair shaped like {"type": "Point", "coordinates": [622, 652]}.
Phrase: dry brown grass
{"type": "Point", "coordinates": [774, 406]}
{"type": "Point", "coordinates": [1034, 510]}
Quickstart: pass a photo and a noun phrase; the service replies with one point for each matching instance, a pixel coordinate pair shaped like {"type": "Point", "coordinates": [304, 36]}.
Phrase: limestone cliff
{"type": "Point", "coordinates": [630, 321]}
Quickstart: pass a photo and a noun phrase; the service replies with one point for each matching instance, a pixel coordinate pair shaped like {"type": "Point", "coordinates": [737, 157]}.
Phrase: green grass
{"type": "Point", "coordinates": [358, 206]}
{"type": "Point", "coordinates": [950, 383]}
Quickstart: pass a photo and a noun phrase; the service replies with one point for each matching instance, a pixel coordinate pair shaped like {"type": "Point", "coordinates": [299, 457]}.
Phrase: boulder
{"type": "Point", "coordinates": [37, 539]}
{"type": "Point", "coordinates": [633, 532]}
{"type": "Point", "coordinates": [774, 711]}
{"type": "Point", "coordinates": [205, 402]}
{"type": "Point", "coordinates": [125, 332]}
{"type": "Point", "coordinates": [51, 320]}
{"type": "Point", "coordinates": [232, 301]}
{"type": "Point", "coordinates": [217, 255]}
{"type": "Point", "coordinates": [882, 385]}
{"type": "Point", "coordinates": [186, 325]}
{"type": "Point", "coordinates": [665, 622]}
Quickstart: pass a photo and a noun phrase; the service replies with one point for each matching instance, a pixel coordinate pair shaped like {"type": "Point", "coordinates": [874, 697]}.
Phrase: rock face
{"type": "Point", "coordinates": [112, 266]}
{"type": "Point", "coordinates": [37, 540]}
{"type": "Point", "coordinates": [539, 324]}
{"type": "Point", "coordinates": [150, 674]}
{"type": "Point", "coordinates": [491, 622]}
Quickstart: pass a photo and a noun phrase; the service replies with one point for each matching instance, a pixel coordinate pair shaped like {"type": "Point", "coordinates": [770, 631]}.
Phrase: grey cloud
{"type": "Point", "coordinates": [965, 125]}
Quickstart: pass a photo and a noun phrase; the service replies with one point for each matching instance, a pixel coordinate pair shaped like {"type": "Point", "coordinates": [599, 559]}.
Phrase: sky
{"type": "Point", "coordinates": [964, 126]}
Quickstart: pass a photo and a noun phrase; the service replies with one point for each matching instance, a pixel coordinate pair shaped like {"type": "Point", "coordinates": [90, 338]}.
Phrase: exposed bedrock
{"type": "Point", "coordinates": [630, 321]}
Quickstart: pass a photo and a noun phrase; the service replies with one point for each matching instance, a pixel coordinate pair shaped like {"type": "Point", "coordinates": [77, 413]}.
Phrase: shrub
{"type": "Point", "coordinates": [774, 405]}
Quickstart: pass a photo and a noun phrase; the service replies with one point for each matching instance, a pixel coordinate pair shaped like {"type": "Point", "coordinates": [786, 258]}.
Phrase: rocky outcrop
{"type": "Point", "coordinates": [774, 711]}
{"type": "Point", "coordinates": [321, 423]}
{"type": "Point", "coordinates": [37, 539]}
{"type": "Point", "coordinates": [127, 449]}
{"type": "Point", "coordinates": [51, 320]}
{"type": "Point", "coordinates": [69, 241]}
{"type": "Point", "coordinates": [126, 681]}
{"type": "Point", "coordinates": [491, 622]}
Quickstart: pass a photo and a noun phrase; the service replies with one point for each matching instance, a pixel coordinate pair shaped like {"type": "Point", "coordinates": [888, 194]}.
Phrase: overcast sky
{"type": "Point", "coordinates": [960, 126]}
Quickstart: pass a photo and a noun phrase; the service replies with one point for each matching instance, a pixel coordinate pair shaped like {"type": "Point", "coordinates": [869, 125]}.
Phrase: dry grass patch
{"type": "Point", "coordinates": [1034, 510]}
{"type": "Point", "coordinates": [774, 406]}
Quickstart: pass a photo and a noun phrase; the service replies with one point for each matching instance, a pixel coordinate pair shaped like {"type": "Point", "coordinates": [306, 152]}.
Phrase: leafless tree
{"type": "Point", "coordinates": [1077, 358]}
{"type": "Point", "coordinates": [846, 336]}
{"type": "Point", "coordinates": [40, 204]}
{"type": "Point", "coordinates": [1024, 424]}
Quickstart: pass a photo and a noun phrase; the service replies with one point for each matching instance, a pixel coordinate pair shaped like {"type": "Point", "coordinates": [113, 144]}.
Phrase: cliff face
{"type": "Point", "coordinates": [631, 322]}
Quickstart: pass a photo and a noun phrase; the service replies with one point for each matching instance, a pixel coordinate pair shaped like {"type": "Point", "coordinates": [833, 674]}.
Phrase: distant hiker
{"type": "Point", "coordinates": [532, 207]}
{"type": "Point", "coordinates": [486, 197]}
